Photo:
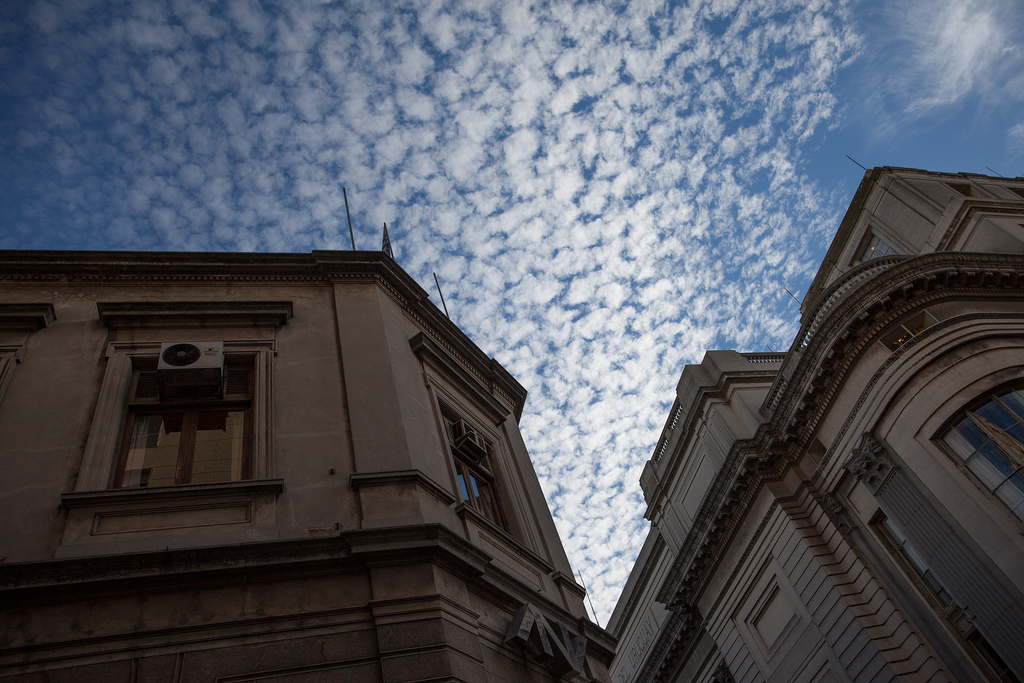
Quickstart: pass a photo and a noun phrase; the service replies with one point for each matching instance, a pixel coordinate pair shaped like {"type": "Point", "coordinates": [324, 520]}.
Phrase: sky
{"type": "Point", "coordinates": [605, 190]}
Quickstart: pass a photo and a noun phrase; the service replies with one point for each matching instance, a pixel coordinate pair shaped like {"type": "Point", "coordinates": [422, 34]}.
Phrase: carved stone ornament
{"type": "Point", "coordinates": [837, 512]}
{"type": "Point", "coordinates": [555, 648]}
{"type": "Point", "coordinates": [722, 674]}
{"type": "Point", "coordinates": [871, 464]}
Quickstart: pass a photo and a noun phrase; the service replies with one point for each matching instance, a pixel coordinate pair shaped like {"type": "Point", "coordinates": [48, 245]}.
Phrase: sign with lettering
{"type": "Point", "coordinates": [553, 646]}
{"type": "Point", "coordinates": [636, 651]}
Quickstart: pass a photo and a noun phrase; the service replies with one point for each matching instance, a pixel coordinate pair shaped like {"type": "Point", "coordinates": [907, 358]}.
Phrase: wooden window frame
{"type": "Point", "coordinates": [190, 411]}
{"type": "Point", "coordinates": [466, 465]}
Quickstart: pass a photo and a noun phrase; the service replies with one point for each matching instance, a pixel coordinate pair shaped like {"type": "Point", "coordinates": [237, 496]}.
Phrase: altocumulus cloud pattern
{"type": "Point", "coordinates": [605, 190]}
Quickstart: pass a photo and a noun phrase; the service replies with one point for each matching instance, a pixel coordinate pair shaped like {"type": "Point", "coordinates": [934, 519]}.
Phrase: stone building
{"type": "Point", "coordinates": [274, 467]}
{"type": "Point", "coordinates": [852, 510]}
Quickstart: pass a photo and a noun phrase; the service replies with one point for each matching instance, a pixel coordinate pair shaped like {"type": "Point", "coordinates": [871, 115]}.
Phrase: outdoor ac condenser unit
{"type": "Point", "coordinates": [468, 439]}
{"type": "Point", "coordinates": [191, 369]}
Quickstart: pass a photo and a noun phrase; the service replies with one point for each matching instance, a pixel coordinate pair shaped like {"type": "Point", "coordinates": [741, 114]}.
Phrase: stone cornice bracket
{"type": "Point", "coordinates": [871, 464]}
{"type": "Point", "coordinates": [141, 314]}
{"type": "Point", "coordinates": [837, 512]}
{"type": "Point", "coordinates": [555, 648]}
{"type": "Point", "coordinates": [28, 317]}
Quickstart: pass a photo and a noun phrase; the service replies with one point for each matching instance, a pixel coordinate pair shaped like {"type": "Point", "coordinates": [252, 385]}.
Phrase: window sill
{"type": "Point", "coordinates": [510, 546]}
{"type": "Point", "coordinates": [170, 493]}
{"type": "Point", "coordinates": [143, 519]}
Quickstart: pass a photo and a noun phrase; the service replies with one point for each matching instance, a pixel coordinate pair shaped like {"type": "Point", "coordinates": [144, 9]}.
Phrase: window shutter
{"type": "Point", "coordinates": [237, 381]}
{"type": "Point", "coordinates": [147, 388]}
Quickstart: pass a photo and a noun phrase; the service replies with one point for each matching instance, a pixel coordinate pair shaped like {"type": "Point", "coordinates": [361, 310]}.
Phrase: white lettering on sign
{"type": "Point", "coordinates": [636, 653]}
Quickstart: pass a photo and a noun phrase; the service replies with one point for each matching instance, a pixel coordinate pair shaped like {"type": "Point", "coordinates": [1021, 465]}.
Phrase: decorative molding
{"type": "Point", "coordinates": [192, 492]}
{"type": "Point", "coordinates": [871, 464]}
{"type": "Point", "coordinates": [316, 268]}
{"type": "Point", "coordinates": [431, 353]}
{"type": "Point", "coordinates": [815, 374]}
{"type": "Point", "coordinates": [499, 535]}
{"type": "Point", "coordinates": [568, 582]}
{"type": "Point", "coordinates": [369, 479]}
{"type": "Point", "coordinates": [177, 314]}
{"type": "Point", "coordinates": [29, 317]}
{"type": "Point", "coordinates": [836, 510]}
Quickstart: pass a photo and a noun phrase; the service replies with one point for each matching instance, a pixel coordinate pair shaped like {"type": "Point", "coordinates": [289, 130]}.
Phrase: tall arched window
{"type": "Point", "coordinates": [989, 439]}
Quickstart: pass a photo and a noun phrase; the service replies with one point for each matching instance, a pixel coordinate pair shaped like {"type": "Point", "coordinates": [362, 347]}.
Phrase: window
{"type": "Point", "coordinates": [906, 329]}
{"type": "Point", "coordinates": [915, 561]}
{"type": "Point", "coordinates": [989, 440]}
{"type": "Point", "coordinates": [471, 452]}
{"type": "Point", "coordinates": [876, 247]}
{"type": "Point", "coordinates": [174, 441]}
{"type": "Point", "coordinates": [982, 648]}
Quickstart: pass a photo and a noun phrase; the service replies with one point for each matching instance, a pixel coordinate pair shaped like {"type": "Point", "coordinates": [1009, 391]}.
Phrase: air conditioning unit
{"type": "Point", "coordinates": [191, 369]}
{"type": "Point", "coordinates": [468, 439]}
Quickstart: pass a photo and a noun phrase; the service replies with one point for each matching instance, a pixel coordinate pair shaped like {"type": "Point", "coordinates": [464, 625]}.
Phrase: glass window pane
{"type": "Point", "coordinates": [1014, 403]}
{"type": "Point", "coordinates": [1011, 443]}
{"type": "Point", "coordinates": [153, 451]}
{"type": "Point", "coordinates": [970, 437]}
{"type": "Point", "coordinates": [990, 466]}
{"type": "Point", "coordinates": [993, 417]}
{"type": "Point", "coordinates": [220, 447]}
{"type": "Point", "coordinates": [462, 487]}
{"type": "Point", "coordinates": [1012, 493]}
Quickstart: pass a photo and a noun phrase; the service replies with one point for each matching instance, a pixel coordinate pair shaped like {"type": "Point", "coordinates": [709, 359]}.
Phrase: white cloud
{"type": "Point", "coordinates": [593, 252]}
{"type": "Point", "coordinates": [929, 57]}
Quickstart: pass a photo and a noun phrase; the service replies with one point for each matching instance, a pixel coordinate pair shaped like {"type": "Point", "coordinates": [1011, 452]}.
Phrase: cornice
{"type": "Point", "coordinates": [30, 317]}
{"type": "Point", "coordinates": [140, 314]}
{"type": "Point", "coordinates": [816, 373]}
{"type": "Point", "coordinates": [84, 268]}
{"type": "Point", "coordinates": [758, 374]}
{"type": "Point", "coordinates": [813, 374]}
{"type": "Point", "coordinates": [391, 478]}
{"type": "Point", "coordinates": [478, 385]}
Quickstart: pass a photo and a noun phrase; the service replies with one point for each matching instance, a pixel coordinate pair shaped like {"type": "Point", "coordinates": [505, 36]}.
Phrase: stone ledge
{"type": "Point", "coordinates": [142, 314]}
{"type": "Point", "coordinates": [26, 316]}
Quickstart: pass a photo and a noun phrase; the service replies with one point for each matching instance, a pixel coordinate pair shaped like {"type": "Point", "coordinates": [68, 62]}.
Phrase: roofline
{"type": "Point", "coordinates": [320, 266]}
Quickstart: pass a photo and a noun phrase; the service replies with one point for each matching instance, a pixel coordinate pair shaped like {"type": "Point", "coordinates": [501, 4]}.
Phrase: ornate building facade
{"type": "Point", "coordinates": [274, 467]}
{"type": "Point", "coordinates": [852, 510]}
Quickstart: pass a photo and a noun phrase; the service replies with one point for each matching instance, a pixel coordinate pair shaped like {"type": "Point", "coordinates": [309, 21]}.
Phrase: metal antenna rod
{"type": "Point", "coordinates": [580, 572]}
{"type": "Point", "coordinates": [350, 233]}
{"type": "Point", "coordinates": [854, 161]}
{"type": "Point", "coordinates": [791, 295]}
{"type": "Point", "coordinates": [442, 296]}
{"type": "Point", "coordinates": [995, 171]}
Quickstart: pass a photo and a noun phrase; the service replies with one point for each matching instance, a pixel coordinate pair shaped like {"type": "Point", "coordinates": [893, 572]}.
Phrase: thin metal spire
{"type": "Point", "coordinates": [350, 233]}
{"type": "Point", "coordinates": [442, 296]}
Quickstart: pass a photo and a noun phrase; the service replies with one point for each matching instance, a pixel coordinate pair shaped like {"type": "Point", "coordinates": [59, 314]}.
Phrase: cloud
{"type": "Point", "coordinates": [605, 191]}
{"type": "Point", "coordinates": [930, 57]}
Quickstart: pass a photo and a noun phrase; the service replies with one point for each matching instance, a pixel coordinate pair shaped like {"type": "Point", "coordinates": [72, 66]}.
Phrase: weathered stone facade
{"type": "Point", "coordinates": [848, 510]}
{"type": "Point", "coordinates": [333, 543]}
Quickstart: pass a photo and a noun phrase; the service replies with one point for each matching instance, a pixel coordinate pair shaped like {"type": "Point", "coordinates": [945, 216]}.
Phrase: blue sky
{"type": "Point", "coordinates": [605, 190]}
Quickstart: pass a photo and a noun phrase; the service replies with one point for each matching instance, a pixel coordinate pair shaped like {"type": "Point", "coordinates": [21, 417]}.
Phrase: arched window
{"type": "Point", "coordinates": [989, 439]}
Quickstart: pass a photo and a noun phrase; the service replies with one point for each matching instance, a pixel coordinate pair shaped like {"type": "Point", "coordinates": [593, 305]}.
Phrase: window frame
{"type": "Point", "coordinates": [865, 247]}
{"type": "Point", "coordinates": [106, 434]}
{"type": "Point", "coordinates": [190, 411]}
{"type": "Point", "coordinates": [931, 588]}
{"type": "Point", "coordinates": [466, 465]}
{"type": "Point", "coordinates": [992, 395]}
